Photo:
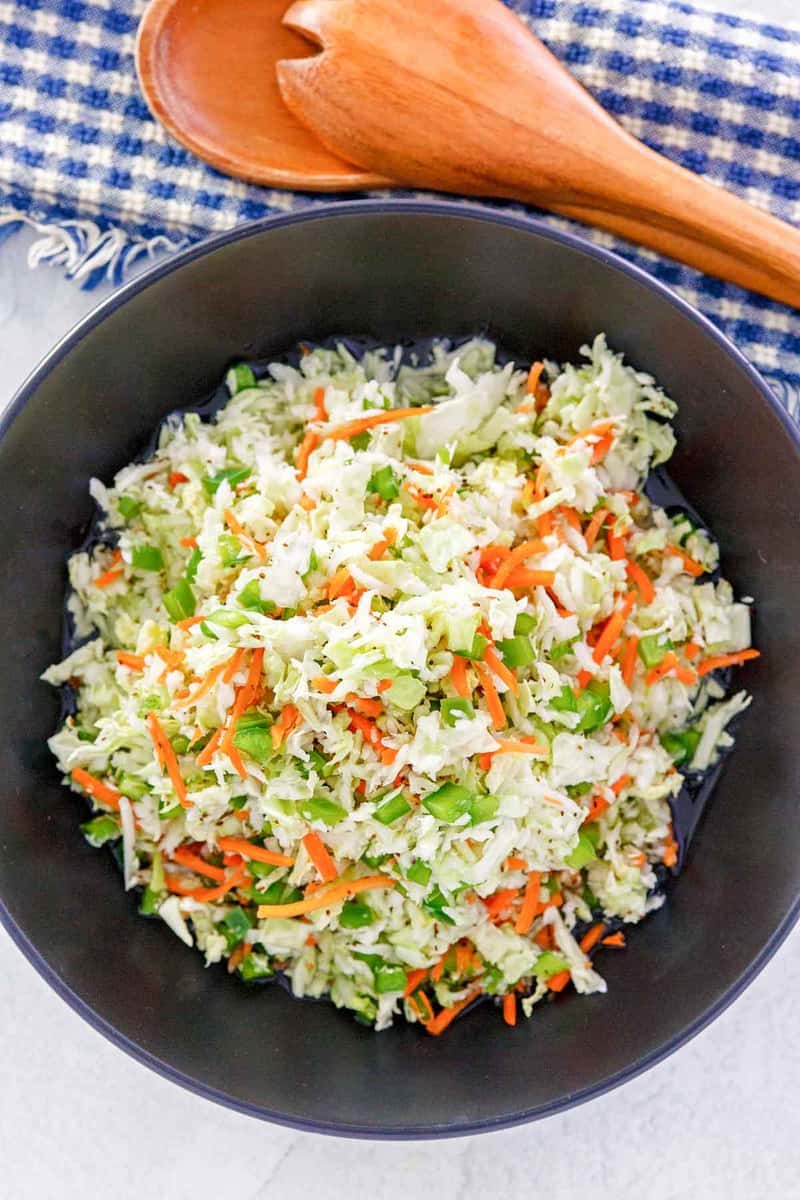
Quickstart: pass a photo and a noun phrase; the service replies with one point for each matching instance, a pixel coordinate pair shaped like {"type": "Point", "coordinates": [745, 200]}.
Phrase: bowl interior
{"type": "Point", "coordinates": [391, 271]}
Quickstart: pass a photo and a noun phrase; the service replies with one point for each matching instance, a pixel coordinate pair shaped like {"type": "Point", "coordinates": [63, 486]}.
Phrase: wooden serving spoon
{"type": "Point", "coordinates": [207, 71]}
{"type": "Point", "coordinates": [460, 96]}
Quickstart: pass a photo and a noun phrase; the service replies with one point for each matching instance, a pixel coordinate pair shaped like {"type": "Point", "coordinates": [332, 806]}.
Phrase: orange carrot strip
{"type": "Point", "coordinates": [235, 845]}
{"type": "Point", "coordinates": [592, 937]}
{"type": "Point", "coordinates": [210, 749]}
{"type": "Point", "coordinates": [690, 565]}
{"type": "Point", "coordinates": [109, 577]}
{"type": "Point", "coordinates": [727, 660]}
{"type": "Point", "coordinates": [616, 940]}
{"type": "Point", "coordinates": [234, 664]}
{"type": "Point", "coordinates": [496, 664]}
{"type": "Point", "coordinates": [325, 896]}
{"type": "Point", "coordinates": [597, 807]}
{"type": "Point", "coordinates": [629, 659]}
{"type": "Point", "coordinates": [438, 969]}
{"type": "Point", "coordinates": [340, 583]}
{"type": "Point", "coordinates": [363, 704]}
{"type": "Point", "coordinates": [513, 863]}
{"type": "Point", "coordinates": [594, 527]}
{"type": "Point", "coordinates": [534, 375]}
{"type": "Point", "coordinates": [205, 685]}
{"type": "Point", "coordinates": [324, 683]}
{"type": "Point", "coordinates": [448, 1015]}
{"type": "Point", "coordinates": [510, 1008]}
{"type": "Point", "coordinates": [642, 581]}
{"type": "Point", "coordinates": [557, 983]}
{"type": "Point", "coordinates": [352, 429]}
{"type": "Point", "coordinates": [414, 979]}
{"type": "Point", "coordinates": [306, 449]}
{"type": "Point", "coordinates": [189, 543]}
{"type": "Point", "coordinates": [249, 543]}
{"type": "Point", "coordinates": [285, 723]}
{"type": "Point", "coordinates": [458, 677]}
{"type": "Point", "coordinates": [621, 784]}
{"type": "Point", "coordinates": [205, 895]}
{"type": "Point", "coordinates": [188, 622]}
{"type": "Point", "coordinates": [582, 678]}
{"type": "Point", "coordinates": [613, 628]}
{"type": "Point", "coordinates": [691, 650]}
{"type": "Point", "coordinates": [320, 411]}
{"type": "Point", "coordinates": [96, 788]}
{"type": "Point", "coordinates": [521, 745]}
{"type": "Point", "coordinates": [521, 577]}
{"type": "Point", "coordinates": [318, 853]}
{"type": "Point", "coordinates": [530, 902]}
{"type": "Point", "coordinates": [599, 429]}
{"type": "Point", "coordinates": [384, 684]}
{"type": "Point", "coordinates": [667, 664]}
{"type": "Point", "coordinates": [545, 938]}
{"type": "Point", "coordinates": [163, 748]}
{"type": "Point", "coordinates": [526, 495]}
{"type": "Point", "coordinates": [380, 548]}
{"type": "Point", "coordinates": [670, 855]}
{"type": "Point", "coordinates": [499, 903]}
{"type": "Point", "coordinates": [616, 544]}
{"type": "Point", "coordinates": [187, 858]}
{"type": "Point", "coordinates": [421, 468]}
{"type": "Point", "coordinates": [134, 662]}
{"type": "Point", "coordinates": [601, 448]}
{"type": "Point", "coordinates": [515, 558]}
{"type": "Point", "coordinates": [493, 702]}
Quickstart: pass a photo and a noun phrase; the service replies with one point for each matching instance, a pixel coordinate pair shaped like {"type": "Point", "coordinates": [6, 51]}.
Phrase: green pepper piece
{"type": "Point", "coordinates": [128, 507]}
{"type": "Point", "coordinates": [594, 706]}
{"type": "Point", "coordinates": [525, 624]}
{"type": "Point", "coordinates": [516, 651]}
{"type": "Point", "coordinates": [100, 830]}
{"type": "Point", "coordinates": [449, 802]}
{"type": "Point", "coordinates": [566, 702]}
{"type": "Point", "coordinates": [548, 964]}
{"type": "Point", "coordinates": [392, 809]}
{"type": "Point", "coordinates": [238, 923]}
{"type": "Point", "coordinates": [147, 558]}
{"type": "Point", "coordinates": [681, 745]}
{"type": "Point", "coordinates": [476, 650]}
{"type": "Point", "coordinates": [233, 475]}
{"type": "Point", "coordinates": [583, 853]}
{"type": "Point", "coordinates": [179, 601]}
{"type": "Point", "coordinates": [254, 966]}
{"type": "Point", "coordinates": [456, 709]}
{"type": "Point", "coordinates": [560, 650]}
{"type": "Point", "coordinates": [355, 915]}
{"type": "Point", "coordinates": [240, 377]}
{"type": "Point", "coordinates": [193, 562]}
{"type": "Point", "coordinates": [435, 904]}
{"type": "Point", "coordinates": [419, 872]}
{"type": "Point", "coordinates": [321, 809]}
{"type": "Point", "coordinates": [653, 648]}
{"type": "Point", "coordinates": [385, 483]}
{"type": "Point", "coordinates": [131, 786]}
{"type": "Point", "coordinates": [483, 809]}
{"type": "Point", "coordinates": [389, 978]}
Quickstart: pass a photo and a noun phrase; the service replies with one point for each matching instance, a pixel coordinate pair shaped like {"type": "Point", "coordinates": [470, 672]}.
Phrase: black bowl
{"type": "Point", "coordinates": [391, 270]}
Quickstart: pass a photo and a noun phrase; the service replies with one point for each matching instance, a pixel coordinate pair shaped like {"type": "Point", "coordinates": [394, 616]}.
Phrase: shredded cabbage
{"type": "Point", "coordinates": [315, 660]}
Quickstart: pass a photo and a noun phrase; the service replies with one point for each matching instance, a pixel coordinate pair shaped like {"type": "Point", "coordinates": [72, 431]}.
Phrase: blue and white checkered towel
{"type": "Point", "coordinates": [82, 159]}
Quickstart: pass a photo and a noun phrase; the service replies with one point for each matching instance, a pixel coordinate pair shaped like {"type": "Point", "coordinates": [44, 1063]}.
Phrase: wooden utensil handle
{"type": "Point", "coordinates": [679, 214]}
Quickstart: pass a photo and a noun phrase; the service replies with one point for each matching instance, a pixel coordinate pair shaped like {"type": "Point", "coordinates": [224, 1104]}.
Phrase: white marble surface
{"type": "Point", "coordinates": [719, 1120]}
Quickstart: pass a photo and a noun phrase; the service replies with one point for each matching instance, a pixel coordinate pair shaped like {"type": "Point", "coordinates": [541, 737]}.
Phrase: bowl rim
{"type": "Point", "coordinates": [460, 210]}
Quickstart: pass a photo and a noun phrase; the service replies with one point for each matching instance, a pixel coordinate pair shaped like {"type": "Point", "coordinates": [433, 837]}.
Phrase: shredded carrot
{"type": "Point", "coordinates": [642, 581]}
{"type": "Point", "coordinates": [513, 863]}
{"type": "Point", "coordinates": [544, 524]}
{"type": "Point", "coordinates": [325, 896]}
{"type": "Point", "coordinates": [726, 660]}
{"type": "Point", "coordinates": [510, 1008]}
{"type": "Point", "coordinates": [188, 622]}
{"type": "Point", "coordinates": [284, 725]}
{"type": "Point", "coordinates": [249, 543]}
{"type": "Point", "coordinates": [691, 650]}
{"type": "Point", "coordinates": [235, 845]}
{"type": "Point", "coordinates": [421, 468]}
{"type": "Point", "coordinates": [237, 956]}
{"type": "Point", "coordinates": [493, 703]}
{"type": "Point", "coordinates": [615, 940]}
{"type": "Point", "coordinates": [620, 784]}
{"type": "Point", "coordinates": [352, 429]}
{"type": "Point", "coordinates": [112, 574]}
{"type": "Point", "coordinates": [521, 577]}
{"type": "Point", "coordinates": [539, 489]}
{"type": "Point", "coordinates": [235, 663]}
{"type": "Point", "coordinates": [557, 983]}
{"type": "Point", "coordinates": [189, 543]}
{"type": "Point", "coordinates": [526, 495]}
{"type": "Point", "coordinates": [545, 938]}
{"type": "Point", "coordinates": [515, 558]}
{"type": "Point", "coordinates": [380, 548]}
{"type": "Point", "coordinates": [670, 855]}
{"type": "Point", "coordinates": [438, 969]}
{"type": "Point", "coordinates": [167, 756]}
{"type": "Point", "coordinates": [530, 902]}
{"type": "Point", "coordinates": [629, 659]}
{"type": "Point", "coordinates": [206, 684]}
{"type": "Point", "coordinates": [96, 788]}
{"type": "Point", "coordinates": [601, 448]}
{"type": "Point", "coordinates": [209, 750]}
{"type": "Point", "coordinates": [594, 527]}
{"type": "Point", "coordinates": [308, 503]}
{"type": "Point", "coordinates": [616, 543]}
{"type": "Point", "coordinates": [592, 937]}
{"type": "Point", "coordinates": [320, 411]}
{"type": "Point", "coordinates": [499, 903]}
{"type": "Point", "coordinates": [318, 853]}
{"type": "Point", "coordinates": [448, 1015]}
{"type": "Point", "coordinates": [597, 807]}
{"type": "Point", "coordinates": [384, 684]}
{"type": "Point", "coordinates": [496, 664]}
{"type": "Point", "coordinates": [340, 583]}
{"type": "Point", "coordinates": [458, 677]}
{"type": "Point", "coordinates": [205, 895]}
{"type": "Point", "coordinates": [690, 565]}
{"type": "Point", "coordinates": [187, 858]}
{"type": "Point", "coordinates": [668, 663]}
{"type": "Point", "coordinates": [134, 662]}
{"type": "Point", "coordinates": [414, 979]}
{"type": "Point", "coordinates": [464, 957]}
{"type": "Point", "coordinates": [306, 449]}
{"type": "Point", "coordinates": [520, 745]}
{"type": "Point", "coordinates": [370, 707]}
{"type": "Point", "coordinates": [532, 382]}
{"type": "Point", "coordinates": [583, 677]}
{"type": "Point", "coordinates": [176, 477]}
{"type": "Point", "coordinates": [613, 628]}
{"type": "Point", "coordinates": [324, 683]}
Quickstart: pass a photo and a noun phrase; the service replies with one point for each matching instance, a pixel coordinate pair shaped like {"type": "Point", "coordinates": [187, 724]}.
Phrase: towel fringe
{"type": "Point", "coordinates": [87, 252]}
